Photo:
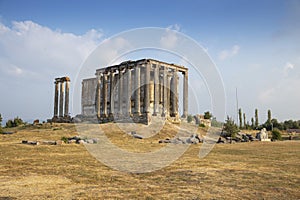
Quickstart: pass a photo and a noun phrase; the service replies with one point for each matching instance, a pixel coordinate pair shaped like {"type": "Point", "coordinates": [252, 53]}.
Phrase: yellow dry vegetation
{"type": "Point", "coordinates": [254, 170]}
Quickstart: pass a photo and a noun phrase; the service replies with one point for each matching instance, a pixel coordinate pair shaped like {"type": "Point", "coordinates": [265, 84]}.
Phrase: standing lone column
{"type": "Point", "coordinates": [147, 87]}
{"type": "Point", "coordinates": [67, 79]}
{"type": "Point", "coordinates": [61, 99]}
{"type": "Point", "coordinates": [104, 95]}
{"type": "Point", "coordinates": [156, 89]}
{"type": "Point", "coordinates": [137, 103]}
{"type": "Point", "coordinates": [56, 98]}
{"type": "Point", "coordinates": [112, 99]}
{"type": "Point", "coordinates": [128, 92]}
{"type": "Point", "coordinates": [185, 94]}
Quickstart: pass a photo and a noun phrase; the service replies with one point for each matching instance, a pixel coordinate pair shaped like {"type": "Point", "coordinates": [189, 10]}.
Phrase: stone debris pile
{"type": "Point", "coordinates": [135, 135]}
{"type": "Point", "coordinates": [193, 139]}
{"type": "Point", "coordinates": [64, 140]}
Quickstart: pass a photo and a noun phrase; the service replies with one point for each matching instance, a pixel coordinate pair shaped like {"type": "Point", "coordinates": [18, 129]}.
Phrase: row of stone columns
{"type": "Point", "coordinates": [132, 81]}
{"type": "Point", "coordinates": [61, 97]}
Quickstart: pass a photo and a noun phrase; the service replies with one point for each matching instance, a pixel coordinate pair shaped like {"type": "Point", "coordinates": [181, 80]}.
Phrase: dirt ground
{"type": "Point", "coordinates": [256, 170]}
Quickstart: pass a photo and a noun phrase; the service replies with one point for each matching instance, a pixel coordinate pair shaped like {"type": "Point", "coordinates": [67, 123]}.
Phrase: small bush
{"type": "Point", "coordinates": [14, 123]}
{"type": "Point", "coordinates": [202, 125]}
{"type": "Point", "coordinates": [230, 128]}
{"type": "Point", "coordinates": [189, 118]}
{"type": "Point", "coordinates": [64, 139]}
{"type": "Point", "coordinates": [276, 134]}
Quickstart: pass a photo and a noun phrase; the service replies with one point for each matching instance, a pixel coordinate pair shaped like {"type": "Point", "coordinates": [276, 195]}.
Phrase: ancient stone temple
{"type": "Point", "coordinates": [61, 100]}
{"type": "Point", "coordinates": [135, 90]}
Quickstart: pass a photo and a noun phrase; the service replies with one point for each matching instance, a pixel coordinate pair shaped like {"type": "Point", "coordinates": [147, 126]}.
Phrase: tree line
{"type": "Point", "coordinates": [269, 124]}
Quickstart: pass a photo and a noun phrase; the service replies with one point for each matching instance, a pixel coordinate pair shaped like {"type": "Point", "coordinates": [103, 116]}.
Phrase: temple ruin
{"type": "Point", "coordinates": [61, 100]}
{"type": "Point", "coordinates": [134, 90]}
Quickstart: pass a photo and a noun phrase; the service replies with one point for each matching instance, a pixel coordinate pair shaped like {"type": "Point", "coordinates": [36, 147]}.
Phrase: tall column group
{"type": "Point", "coordinates": [128, 89]}
{"type": "Point", "coordinates": [61, 98]}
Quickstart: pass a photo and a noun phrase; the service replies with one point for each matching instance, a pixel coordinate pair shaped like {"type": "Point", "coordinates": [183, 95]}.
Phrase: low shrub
{"type": "Point", "coordinates": [276, 134]}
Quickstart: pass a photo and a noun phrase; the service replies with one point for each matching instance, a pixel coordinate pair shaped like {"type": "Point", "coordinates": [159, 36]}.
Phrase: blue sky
{"type": "Point", "coordinates": [255, 45]}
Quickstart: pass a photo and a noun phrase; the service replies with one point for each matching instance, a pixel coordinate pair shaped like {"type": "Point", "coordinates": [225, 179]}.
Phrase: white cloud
{"type": "Point", "coordinates": [169, 39]}
{"type": "Point", "coordinates": [175, 27]}
{"type": "Point", "coordinates": [287, 67]}
{"type": "Point", "coordinates": [229, 53]}
{"type": "Point", "coordinates": [31, 57]}
{"type": "Point", "coordinates": [37, 48]}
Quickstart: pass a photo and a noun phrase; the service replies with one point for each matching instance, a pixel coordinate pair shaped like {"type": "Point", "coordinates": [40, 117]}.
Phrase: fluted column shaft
{"type": "Point", "coordinates": [67, 88]}
{"type": "Point", "coordinates": [128, 92]}
{"type": "Point", "coordinates": [165, 91]}
{"type": "Point", "coordinates": [185, 94]}
{"type": "Point", "coordinates": [156, 89]}
{"type": "Point", "coordinates": [174, 94]}
{"type": "Point", "coordinates": [104, 95]}
{"type": "Point", "coordinates": [137, 103]}
{"type": "Point", "coordinates": [147, 89]}
{"type": "Point", "coordinates": [98, 98]}
{"type": "Point", "coordinates": [56, 98]}
{"type": "Point", "coordinates": [120, 92]}
{"type": "Point", "coordinates": [61, 100]}
{"type": "Point", "coordinates": [112, 99]}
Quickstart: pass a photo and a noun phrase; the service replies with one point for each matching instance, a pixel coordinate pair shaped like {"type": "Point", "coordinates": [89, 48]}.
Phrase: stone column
{"type": "Point", "coordinates": [174, 99]}
{"type": "Point", "coordinates": [137, 103]}
{"type": "Point", "coordinates": [104, 95]}
{"type": "Point", "coordinates": [98, 98]}
{"type": "Point", "coordinates": [112, 99]}
{"type": "Point", "coordinates": [185, 94]}
{"type": "Point", "coordinates": [56, 98]}
{"type": "Point", "coordinates": [168, 94]}
{"type": "Point", "coordinates": [147, 87]}
{"type": "Point", "coordinates": [156, 90]}
{"type": "Point", "coordinates": [165, 91]}
{"type": "Point", "coordinates": [128, 92]}
{"type": "Point", "coordinates": [120, 92]}
{"type": "Point", "coordinates": [67, 88]}
{"type": "Point", "coordinates": [61, 99]}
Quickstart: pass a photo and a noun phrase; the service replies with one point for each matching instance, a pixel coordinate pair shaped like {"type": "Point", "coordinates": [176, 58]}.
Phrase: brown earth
{"type": "Point", "coordinates": [254, 170]}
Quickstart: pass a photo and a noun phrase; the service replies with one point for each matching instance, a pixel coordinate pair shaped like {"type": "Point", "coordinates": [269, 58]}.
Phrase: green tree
{"type": "Point", "coordinates": [230, 127]}
{"type": "Point", "coordinates": [10, 124]}
{"type": "Point", "coordinates": [18, 121]}
{"type": "Point", "coordinates": [290, 124]}
{"type": "Point", "coordinates": [256, 118]}
{"type": "Point", "coordinates": [0, 123]}
{"type": "Point", "coordinates": [252, 123]}
{"type": "Point", "coordinates": [245, 124]}
{"type": "Point", "coordinates": [189, 118]}
{"type": "Point", "coordinates": [215, 123]}
{"type": "Point", "coordinates": [207, 115]}
{"type": "Point", "coordinates": [240, 118]}
{"type": "Point", "coordinates": [268, 124]}
{"type": "Point", "coordinates": [276, 124]}
{"type": "Point", "coordinates": [269, 117]}
{"type": "Point", "coordinates": [14, 123]}
{"type": "Point", "coordinates": [276, 134]}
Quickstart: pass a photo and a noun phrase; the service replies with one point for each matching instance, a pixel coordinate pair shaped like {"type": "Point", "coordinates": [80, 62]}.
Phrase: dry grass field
{"type": "Point", "coordinates": [230, 171]}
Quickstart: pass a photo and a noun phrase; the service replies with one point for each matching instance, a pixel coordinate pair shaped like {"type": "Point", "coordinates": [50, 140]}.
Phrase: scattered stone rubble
{"type": "Point", "coordinates": [81, 140]}
{"type": "Point", "coordinates": [135, 135]}
{"type": "Point", "coordinates": [71, 140]}
{"type": "Point", "coordinates": [243, 137]}
{"type": "Point", "coordinates": [193, 139]}
{"type": "Point", "coordinates": [58, 142]}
